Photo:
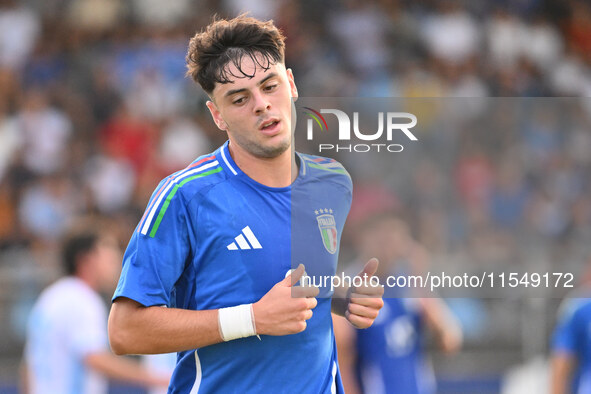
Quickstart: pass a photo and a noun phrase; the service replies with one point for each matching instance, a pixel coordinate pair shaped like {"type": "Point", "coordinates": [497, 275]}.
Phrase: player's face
{"type": "Point", "coordinates": [387, 239]}
{"type": "Point", "coordinates": [107, 262]}
{"type": "Point", "coordinates": [256, 112]}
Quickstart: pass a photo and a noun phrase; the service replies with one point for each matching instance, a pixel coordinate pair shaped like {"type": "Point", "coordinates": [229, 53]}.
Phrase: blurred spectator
{"type": "Point", "coordinates": [504, 33]}
{"type": "Point", "coordinates": [153, 98]}
{"type": "Point", "coordinates": [542, 136]}
{"type": "Point", "coordinates": [466, 82]}
{"type": "Point", "coordinates": [420, 82]}
{"type": "Point", "coordinates": [570, 76]}
{"type": "Point", "coordinates": [127, 136]}
{"type": "Point", "coordinates": [19, 28]}
{"type": "Point", "coordinates": [508, 197]}
{"type": "Point", "coordinates": [474, 175]}
{"type": "Point", "coordinates": [360, 29]}
{"type": "Point", "coordinates": [110, 180]}
{"type": "Point", "coordinates": [260, 9]}
{"type": "Point", "coordinates": [105, 98]}
{"type": "Point", "coordinates": [160, 55]}
{"type": "Point", "coordinates": [579, 143]}
{"type": "Point", "coordinates": [48, 207]}
{"type": "Point", "coordinates": [96, 15]}
{"type": "Point", "coordinates": [579, 29]}
{"type": "Point", "coordinates": [10, 139]}
{"type": "Point", "coordinates": [45, 130]}
{"type": "Point", "coordinates": [67, 348]}
{"type": "Point", "coordinates": [182, 140]}
{"type": "Point", "coordinates": [548, 216]}
{"type": "Point", "coordinates": [152, 13]}
{"type": "Point", "coordinates": [8, 215]}
{"type": "Point", "coordinates": [451, 34]}
{"type": "Point", "coordinates": [542, 43]}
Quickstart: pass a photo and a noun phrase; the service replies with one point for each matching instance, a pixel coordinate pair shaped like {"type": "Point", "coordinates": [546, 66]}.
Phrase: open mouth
{"type": "Point", "coordinates": [269, 125]}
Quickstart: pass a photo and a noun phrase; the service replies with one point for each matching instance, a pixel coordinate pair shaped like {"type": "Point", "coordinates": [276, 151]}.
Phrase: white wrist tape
{"type": "Point", "coordinates": [236, 322]}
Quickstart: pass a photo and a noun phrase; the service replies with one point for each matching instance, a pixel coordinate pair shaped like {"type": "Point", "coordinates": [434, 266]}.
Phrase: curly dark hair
{"type": "Point", "coordinates": [224, 41]}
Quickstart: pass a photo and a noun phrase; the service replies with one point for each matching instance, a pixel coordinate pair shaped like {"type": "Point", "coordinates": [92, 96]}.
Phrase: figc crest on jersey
{"type": "Point", "coordinates": [328, 229]}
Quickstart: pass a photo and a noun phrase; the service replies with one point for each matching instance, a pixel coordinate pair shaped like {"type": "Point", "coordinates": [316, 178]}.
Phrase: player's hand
{"type": "Point", "coordinates": [365, 302]}
{"type": "Point", "coordinates": [280, 312]}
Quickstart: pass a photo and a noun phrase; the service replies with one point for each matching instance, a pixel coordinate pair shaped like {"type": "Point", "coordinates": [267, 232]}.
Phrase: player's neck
{"type": "Point", "coordinates": [88, 279]}
{"type": "Point", "coordinates": [279, 171]}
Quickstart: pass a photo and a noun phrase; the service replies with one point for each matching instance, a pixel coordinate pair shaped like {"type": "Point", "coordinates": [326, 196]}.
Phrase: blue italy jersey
{"type": "Point", "coordinates": [573, 336]}
{"type": "Point", "coordinates": [389, 353]}
{"type": "Point", "coordinates": [212, 237]}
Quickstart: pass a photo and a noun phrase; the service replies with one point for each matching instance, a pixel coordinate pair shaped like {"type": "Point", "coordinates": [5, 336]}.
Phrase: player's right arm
{"type": "Point", "coordinates": [442, 323]}
{"type": "Point", "coordinates": [565, 343]}
{"type": "Point", "coordinates": [137, 329]}
{"type": "Point", "coordinates": [155, 259]}
{"type": "Point", "coordinates": [126, 370]}
{"type": "Point", "coordinates": [562, 365]}
{"type": "Point", "coordinates": [24, 378]}
{"type": "Point", "coordinates": [345, 338]}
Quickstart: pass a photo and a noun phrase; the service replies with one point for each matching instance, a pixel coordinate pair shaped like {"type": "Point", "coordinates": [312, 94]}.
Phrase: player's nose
{"type": "Point", "coordinates": [261, 103]}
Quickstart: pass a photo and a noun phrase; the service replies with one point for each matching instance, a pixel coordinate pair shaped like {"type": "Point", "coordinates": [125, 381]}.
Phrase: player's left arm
{"type": "Point", "coordinates": [360, 305]}
{"type": "Point", "coordinates": [565, 345]}
{"type": "Point", "coordinates": [561, 365]}
{"type": "Point", "coordinates": [442, 323]}
{"type": "Point", "coordinates": [346, 338]}
{"type": "Point", "coordinates": [123, 369]}
{"type": "Point", "coordinates": [24, 378]}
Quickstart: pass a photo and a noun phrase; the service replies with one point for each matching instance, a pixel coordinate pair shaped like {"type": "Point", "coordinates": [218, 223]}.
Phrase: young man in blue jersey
{"type": "Point", "coordinates": [207, 271]}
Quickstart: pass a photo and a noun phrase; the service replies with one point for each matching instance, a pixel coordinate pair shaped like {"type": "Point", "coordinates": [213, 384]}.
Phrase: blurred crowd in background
{"type": "Point", "coordinates": [95, 110]}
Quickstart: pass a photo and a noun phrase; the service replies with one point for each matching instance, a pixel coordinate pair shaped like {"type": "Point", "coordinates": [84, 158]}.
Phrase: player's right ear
{"type": "Point", "coordinates": [217, 116]}
{"type": "Point", "coordinates": [292, 86]}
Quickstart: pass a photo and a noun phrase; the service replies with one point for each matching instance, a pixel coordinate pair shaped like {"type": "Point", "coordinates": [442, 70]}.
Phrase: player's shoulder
{"type": "Point", "coordinates": [70, 294]}
{"type": "Point", "coordinates": [325, 168]}
{"type": "Point", "coordinates": [200, 175]}
{"type": "Point", "coordinates": [176, 191]}
{"type": "Point", "coordinates": [578, 302]}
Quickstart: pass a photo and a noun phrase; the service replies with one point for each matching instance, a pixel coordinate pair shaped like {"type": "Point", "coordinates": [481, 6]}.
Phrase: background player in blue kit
{"type": "Point", "coordinates": [389, 357]}
{"type": "Point", "coordinates": [205, 271]}
{"type": "Point", "coordinates": [571, 345]}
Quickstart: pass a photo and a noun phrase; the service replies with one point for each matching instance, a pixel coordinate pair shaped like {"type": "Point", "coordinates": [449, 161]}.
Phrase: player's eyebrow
{"type": "Point", "coordinates": [234, 91]}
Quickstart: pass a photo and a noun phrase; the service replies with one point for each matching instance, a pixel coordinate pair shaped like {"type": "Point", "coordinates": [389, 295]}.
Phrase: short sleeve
{"type": "Point", "coordinates": [158, 250]}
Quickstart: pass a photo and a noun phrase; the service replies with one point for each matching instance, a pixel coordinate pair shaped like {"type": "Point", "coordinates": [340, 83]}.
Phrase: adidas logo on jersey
{"type": "Point", "coordinates": [242, 243]}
